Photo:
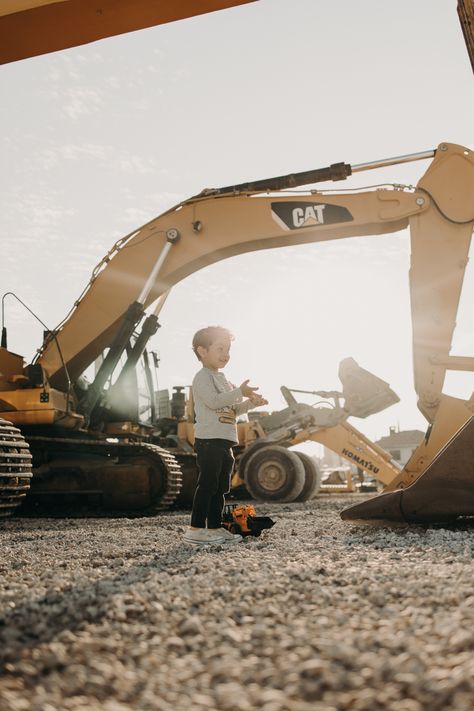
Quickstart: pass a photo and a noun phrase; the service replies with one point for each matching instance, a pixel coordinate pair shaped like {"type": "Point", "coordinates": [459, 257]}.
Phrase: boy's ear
{"type": "Point", "coordinates": [201, 351]}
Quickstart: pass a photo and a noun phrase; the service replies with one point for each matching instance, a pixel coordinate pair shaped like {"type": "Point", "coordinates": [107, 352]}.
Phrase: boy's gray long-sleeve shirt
{"type": "Point", "coordinates": [217, 403]}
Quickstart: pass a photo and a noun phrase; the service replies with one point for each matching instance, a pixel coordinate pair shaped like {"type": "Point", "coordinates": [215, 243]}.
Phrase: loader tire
{"type": "Point", "coordinates": [274, 474]}
{"type": "Point", "coordinates": [312, 477]}
{"type": "Point", "coordinates": [248, 453]}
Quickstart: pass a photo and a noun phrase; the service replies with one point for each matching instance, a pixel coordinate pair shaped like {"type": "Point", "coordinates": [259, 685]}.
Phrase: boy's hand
{"type": "Point", "coordinates": [258, 400]}
{"type": "Point", "coordinates": [247, 390]}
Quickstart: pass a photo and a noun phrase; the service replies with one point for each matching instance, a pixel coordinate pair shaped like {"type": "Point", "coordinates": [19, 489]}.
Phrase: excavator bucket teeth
{"type": "Point", "coordinates": [364, 393]}
{"type": "Point", "coordinates": [443, 493]}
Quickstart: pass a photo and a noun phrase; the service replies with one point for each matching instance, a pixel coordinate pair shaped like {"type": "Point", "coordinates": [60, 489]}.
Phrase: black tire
{"type": "Point", "coordinates": [312, 477]}
{"type": "Point", "coordinates": [249, 452]}
{"type": "Point", "coordinates": [274, 473]}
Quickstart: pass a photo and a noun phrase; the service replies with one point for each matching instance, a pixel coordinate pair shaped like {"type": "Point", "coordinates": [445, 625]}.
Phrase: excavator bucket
{"type": "Point", "coordinates": [364, 393]}
{"type": "Point", "coordinates": [443, 493]}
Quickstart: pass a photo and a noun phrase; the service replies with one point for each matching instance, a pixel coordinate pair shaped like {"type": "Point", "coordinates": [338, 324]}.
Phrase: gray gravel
{"type": "Point", "coordinates": [316, 614]}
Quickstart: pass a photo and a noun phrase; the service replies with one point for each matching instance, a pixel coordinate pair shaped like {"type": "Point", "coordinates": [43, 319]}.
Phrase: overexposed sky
{"type": "Point", "coordinates": [99, 139]}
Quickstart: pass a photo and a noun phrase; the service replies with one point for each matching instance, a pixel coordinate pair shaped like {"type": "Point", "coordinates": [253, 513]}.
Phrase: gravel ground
{"type": "Point", "coordinates": [315, 615]}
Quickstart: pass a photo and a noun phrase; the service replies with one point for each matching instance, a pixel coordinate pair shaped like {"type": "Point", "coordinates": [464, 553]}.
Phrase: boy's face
{"type": "Point", "coordinates": [217, 355]}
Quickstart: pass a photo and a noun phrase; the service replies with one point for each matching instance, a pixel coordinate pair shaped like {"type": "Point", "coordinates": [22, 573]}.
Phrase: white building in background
{"type": "Point", "coordinates": [401, 445]}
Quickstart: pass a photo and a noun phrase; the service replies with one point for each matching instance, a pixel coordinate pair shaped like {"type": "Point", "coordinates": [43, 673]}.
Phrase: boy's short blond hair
{"type": "Point", "coordinates": [206, 337]}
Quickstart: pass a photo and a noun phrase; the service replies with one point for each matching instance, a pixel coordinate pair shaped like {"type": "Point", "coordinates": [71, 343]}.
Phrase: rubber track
{"type": "Point", "coordinates": [15, 468]}
{"type": "Point", "coordinates": [174, 476]}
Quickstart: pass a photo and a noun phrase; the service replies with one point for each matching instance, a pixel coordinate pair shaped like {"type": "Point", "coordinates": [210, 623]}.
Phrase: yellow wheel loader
{"type": "Point", "coordinates": [266, 469]}
{"type": "Point", "coordinates": [270, 471]}
{"type": "Point", "coordinates": [87, 438]}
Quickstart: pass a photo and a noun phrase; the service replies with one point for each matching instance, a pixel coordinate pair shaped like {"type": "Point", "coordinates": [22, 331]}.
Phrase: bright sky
{"type": "Point", "coordinates": [99, 139]}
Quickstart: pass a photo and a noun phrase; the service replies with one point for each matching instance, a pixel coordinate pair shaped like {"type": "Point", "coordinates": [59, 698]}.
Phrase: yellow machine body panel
{"type": "Point", "coordinates": [33, 27]}
{"type": "Point", "coordinates": [34, 406]}
{"type": "Point", "coordinates": [352, 445]}
{"type": "Point", "coordinates": [451, 415]}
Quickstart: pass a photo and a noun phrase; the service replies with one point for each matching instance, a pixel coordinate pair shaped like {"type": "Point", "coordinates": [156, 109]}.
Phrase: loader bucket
{"type": "Point", "coordinates": [364, 393]}
{"type": "Point", "coordinates": [443, 493]}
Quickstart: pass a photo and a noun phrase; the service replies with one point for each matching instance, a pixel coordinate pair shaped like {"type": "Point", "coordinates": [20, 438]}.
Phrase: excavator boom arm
{"type": "Point", "coordinates": [440, 242]}
{"type": "Point", "coordinates": [211, 227]}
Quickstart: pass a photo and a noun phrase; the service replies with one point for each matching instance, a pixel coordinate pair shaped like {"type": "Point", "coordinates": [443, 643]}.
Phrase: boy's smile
{"type": "Point", "coordinates": [217, 355]}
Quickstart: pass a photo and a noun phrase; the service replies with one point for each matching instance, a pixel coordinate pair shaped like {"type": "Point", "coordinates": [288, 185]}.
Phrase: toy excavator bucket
{"type": "Point", "coordinates": [443, 493]}
{"type": "Point", "coordinates": [257, 524]}
{"type": "Point", "coordinates": [364, 393]}
{"type": "Point", "coordinates": [243, 519]}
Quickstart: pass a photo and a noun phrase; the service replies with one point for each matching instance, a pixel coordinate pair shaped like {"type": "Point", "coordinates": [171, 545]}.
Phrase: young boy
{"type": "Point", "coordinates": [217, 404]}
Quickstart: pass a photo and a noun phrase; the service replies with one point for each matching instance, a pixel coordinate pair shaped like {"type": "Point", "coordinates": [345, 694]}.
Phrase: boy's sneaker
{"type": "Point", "coordinates": [203, 537]}
{"type": "Point", "coordinates": [228, 536]}
{"type": "Point", "coordinates": [197, 536]}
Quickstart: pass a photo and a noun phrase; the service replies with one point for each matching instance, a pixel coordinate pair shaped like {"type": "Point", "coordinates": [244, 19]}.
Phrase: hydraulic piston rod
{"type": "Point", "coordinates": [407, 158]}
{"type": "Point", "coordinates": [172, 237]}
{"type": "Point", "coordinates": [336, 171]}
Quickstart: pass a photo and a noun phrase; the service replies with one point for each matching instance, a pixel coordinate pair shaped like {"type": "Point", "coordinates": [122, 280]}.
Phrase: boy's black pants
{"type": "Point", "coordinates": [215, 462]}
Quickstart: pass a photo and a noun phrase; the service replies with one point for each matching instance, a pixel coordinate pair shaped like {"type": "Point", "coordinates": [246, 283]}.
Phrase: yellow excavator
{"type": "Point", "coordinates": [87, 436]}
